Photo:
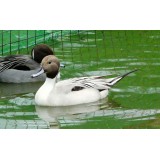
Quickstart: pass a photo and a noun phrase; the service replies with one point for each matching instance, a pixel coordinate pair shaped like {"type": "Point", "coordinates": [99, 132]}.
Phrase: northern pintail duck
{"type": "Point", "coordinates": [71, 91]}
{"type": "Point", "coordinates": [18, 68]}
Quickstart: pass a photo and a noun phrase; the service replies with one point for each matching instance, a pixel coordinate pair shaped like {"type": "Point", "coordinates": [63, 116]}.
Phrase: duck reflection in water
{"type": "Point", "coordinates": [71, 115]}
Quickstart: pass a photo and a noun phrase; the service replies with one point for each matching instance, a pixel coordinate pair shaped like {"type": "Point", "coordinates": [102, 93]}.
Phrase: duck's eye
{"type": "Point", "coordinates": [49, 62]}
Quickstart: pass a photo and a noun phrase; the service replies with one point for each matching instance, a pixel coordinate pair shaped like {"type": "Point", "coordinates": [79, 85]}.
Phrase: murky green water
{"type": "Point", "coordinates": [133, 103]}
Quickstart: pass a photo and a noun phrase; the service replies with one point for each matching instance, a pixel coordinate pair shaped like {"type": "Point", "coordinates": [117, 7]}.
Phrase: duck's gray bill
{"type": "Point", "coordinates": [37, 74]}
{"type": "Point", "coordinates": [62, 65]}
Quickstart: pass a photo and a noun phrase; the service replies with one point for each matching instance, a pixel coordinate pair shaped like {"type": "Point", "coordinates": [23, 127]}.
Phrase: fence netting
{"type": "Point", "coordinates": [132, 103]}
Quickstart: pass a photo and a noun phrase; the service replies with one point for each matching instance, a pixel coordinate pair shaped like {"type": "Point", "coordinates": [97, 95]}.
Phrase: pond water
{"type": "Point", "coordinates": [132, 103]}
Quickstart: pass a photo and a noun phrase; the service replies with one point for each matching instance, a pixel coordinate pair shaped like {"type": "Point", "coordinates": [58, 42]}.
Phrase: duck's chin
{"type": "Point", "coordinates": [51, 75]}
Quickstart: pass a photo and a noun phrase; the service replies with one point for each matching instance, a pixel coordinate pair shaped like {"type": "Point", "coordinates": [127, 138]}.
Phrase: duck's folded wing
{"type": "Point", "coordinates": [11, 62]}
{"type": "Point", "coordinates": [97, 82]}
{"type": "Point", "coordinates": [77, 84]}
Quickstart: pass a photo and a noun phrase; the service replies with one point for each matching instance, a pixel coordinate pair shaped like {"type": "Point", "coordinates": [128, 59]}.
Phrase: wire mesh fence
{"type": "Point", "coordinates": [15, 40]}
{"type": "Point", "coordinates": [132, 103]}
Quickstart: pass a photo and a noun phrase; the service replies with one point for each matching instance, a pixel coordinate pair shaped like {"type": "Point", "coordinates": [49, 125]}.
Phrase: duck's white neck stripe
{"type": "Point", "coordinates": [33, 54]}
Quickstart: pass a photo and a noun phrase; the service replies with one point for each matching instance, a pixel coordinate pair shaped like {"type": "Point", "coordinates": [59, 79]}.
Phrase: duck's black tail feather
{"type": "Point", "coordinates": [117, 79]}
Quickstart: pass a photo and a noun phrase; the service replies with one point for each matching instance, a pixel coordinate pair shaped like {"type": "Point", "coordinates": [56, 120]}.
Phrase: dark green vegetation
{"type": "Point", "coordinates": [133, 103]}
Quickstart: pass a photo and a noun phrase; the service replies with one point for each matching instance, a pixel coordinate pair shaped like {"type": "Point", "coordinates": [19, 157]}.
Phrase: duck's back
{"type": "Point", "coordinates": [19, 62]}
{"type": "Point", "coordinates": [18, 69]}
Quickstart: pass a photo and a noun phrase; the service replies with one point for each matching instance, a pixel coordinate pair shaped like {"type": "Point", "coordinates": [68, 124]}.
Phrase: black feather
{"type": "Point", "coordinates": [77, 88]}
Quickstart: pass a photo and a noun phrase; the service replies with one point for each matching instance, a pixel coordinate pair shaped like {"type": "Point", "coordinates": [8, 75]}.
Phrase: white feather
{"type": "Point", "coordinates": [53, 93]}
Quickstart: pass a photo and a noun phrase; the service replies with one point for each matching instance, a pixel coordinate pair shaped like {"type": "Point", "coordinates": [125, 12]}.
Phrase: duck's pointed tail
{"type": "Point", "coordinates": [113, 81]}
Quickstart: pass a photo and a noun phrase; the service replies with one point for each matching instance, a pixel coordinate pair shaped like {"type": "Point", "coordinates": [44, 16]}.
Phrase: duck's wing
{"type": "Point", "coordinates": [97, 82]}
{"type": "Point", "coordinates": [77, 84]}
{"type": "Point", "coordinates": [12, 62]}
